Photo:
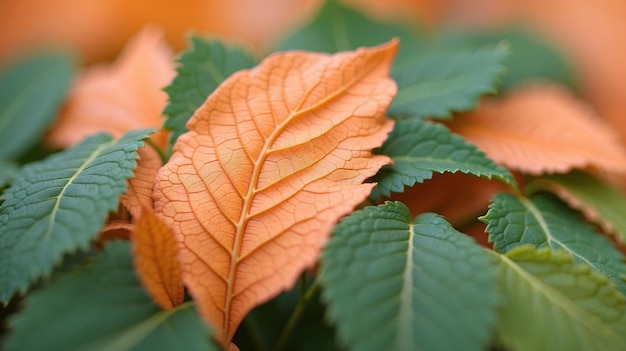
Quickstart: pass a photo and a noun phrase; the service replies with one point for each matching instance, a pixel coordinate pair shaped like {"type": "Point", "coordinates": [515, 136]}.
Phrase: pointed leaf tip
{"type": "Point", "coordinates": [273, 158]}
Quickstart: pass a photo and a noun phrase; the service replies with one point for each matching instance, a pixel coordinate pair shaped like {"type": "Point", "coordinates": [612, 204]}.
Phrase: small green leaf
{"type": "Point", "coordinates": [604, 204]}
{"type": "Point", "coordinates": [396, 284]}
{"type": "Point", "coordinates": [544, 221]}
{"type": "Point", "coordinates": [31, 92]}
{"type": "Point", "coordinates": [104, 307]}
{"type": "Point", "coordinates": [440, 82]}
{"type": "Point", "coordinates": [59, 204]}
{"type": "Point", "coordinates": [202, 68]}
{"type": "Point", "coordinates": [418, 148]}
{"type": "Point", "coordinates": [530, 57]}
{"type": "Point", "coordinates": [338, 28]}
{"type": "Point", "coordinates": [553, 303]}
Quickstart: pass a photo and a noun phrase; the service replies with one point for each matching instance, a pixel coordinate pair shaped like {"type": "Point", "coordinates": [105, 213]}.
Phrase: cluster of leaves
{"type": "Point", "coordinates": [255, 178]}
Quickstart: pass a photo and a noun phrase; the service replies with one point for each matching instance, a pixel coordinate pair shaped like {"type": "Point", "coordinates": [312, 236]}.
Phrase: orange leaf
{"type": "Point", "coordinates": [141, 185]}
{"type": "Point", "coordinates": [542, 129]}
{"type": "Point", "coordinates": [117, 98]}
{"type": "Point", "coordinates": [155, 258]}
{"type": "Point", "coordinates": [273, 158]}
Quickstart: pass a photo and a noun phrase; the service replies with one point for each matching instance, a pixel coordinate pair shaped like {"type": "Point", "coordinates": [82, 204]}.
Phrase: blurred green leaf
{"type": "Point", "coordinates": [544, 221]}
{"type": "Point", "coordinates": [104, 307]}
{"type": "Point", "coordinates": [553, 303]}
{"type": "Point", "coordinates": [8, 170]}
{"type": "Point", "coordinates": [205, 65]}
{"type": "Point", "coordinates": [31, 92]}
{"type": "Point", "coordinates": [396, 284]}
{"type": "Point", "coordinates": [418, 148]}
{"type": "Point", "coordinates": [59, 204]}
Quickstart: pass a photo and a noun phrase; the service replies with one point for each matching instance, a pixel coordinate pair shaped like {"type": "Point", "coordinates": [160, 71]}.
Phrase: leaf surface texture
{"type": "Point", "coordinates": [395, 284]}
{"type": "Point", "coordinates": [59, 204]}
{"type": "Point", "coordinates": [273, 158]}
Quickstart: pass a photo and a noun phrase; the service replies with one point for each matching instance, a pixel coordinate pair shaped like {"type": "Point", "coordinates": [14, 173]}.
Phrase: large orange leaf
{"type": "Point", "coordinates": [119, 97]}
{"type": "Point", "coordinates": [272, 159]}
{"type": "Point", "coordinates": [542, 129]}
{"type": "Point", "coordinates": [141, 185]}
{"type": "Point", "coordinates": [155, 259]}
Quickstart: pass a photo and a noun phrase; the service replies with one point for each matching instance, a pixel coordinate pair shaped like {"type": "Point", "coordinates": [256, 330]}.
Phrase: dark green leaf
{"type": "Point", "coordinates": [202, 68]}
{"type": "Point", "coordinates": [553, 303]}
{"type": "Point", "coordinates": [601, 202]}
{"type": "Point", "coordinates": [418, 148]}
{"type": "Point", "coordinates": [104, 307]}
{"type": "Point", "coordinates": [544, 221]}
{"type": "Point", "coordinates": [338, 28]}
{"type": "Point", "coordinates": [59, 204]}
{"type": "Point", "coordinates": [8, 170]}
{"type": "Point", "coordinates": [440, 82]}
{"type": "Point", "coordinates": [530, 57]}
{"type": "Point", "coordinates": [396, 284]}
{"type": "Point", "coordinates": [31, 92]}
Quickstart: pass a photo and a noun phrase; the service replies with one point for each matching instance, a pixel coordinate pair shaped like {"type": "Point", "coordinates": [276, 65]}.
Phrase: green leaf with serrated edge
{"type": "Point", "coordinates": [104, 307]}
{"type": "Point", "coordinates": [553, 303]}
{"type": "Point", "coordinates": [338, 28]}
{"type": "Point", "coordinates": [530, 57]}
{"type": "Point", "coordinates": [201, 69]}
{"type": "Point", "coordinates": [544, 221]}
{"type": "Point", "coordinates": [31, 92]}
{"type": "Point", "coordinates": [418, 148]}
{"type": "Point", "coordinates": [59, 204]}
{"type": "Point", "coordinates": [599, 201]}
{"type": "Point", "coordinates": [8, 170]}
{"type": "Point", "coordinates": [445, 81]}
{"type": "Point", "coordinates": [396, 284]}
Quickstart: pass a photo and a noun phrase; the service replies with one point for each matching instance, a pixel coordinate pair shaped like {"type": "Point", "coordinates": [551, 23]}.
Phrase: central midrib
{"type": "Point", "coordinates": [250, 194]}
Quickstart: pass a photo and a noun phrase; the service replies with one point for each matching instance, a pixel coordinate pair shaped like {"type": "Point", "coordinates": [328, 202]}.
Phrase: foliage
{"type": "Point", "coordinates": [244, 221]}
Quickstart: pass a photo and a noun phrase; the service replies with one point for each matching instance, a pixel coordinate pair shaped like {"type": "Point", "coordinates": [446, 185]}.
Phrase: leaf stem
{"type": "Point", "coordinates": [157, 149]}
{"type": "Point", "coordinates": [305, 297]}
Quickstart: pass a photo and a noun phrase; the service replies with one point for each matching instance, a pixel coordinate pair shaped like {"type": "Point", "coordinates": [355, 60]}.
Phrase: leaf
{"type": "Point", "coordinates": [444, 81]}
{"type": "Point", "coordinates": [8, 170]}
{"type": "Point", "coordinates": [598, 201]}
{"type": "Point", "coordinates": [31, 92]}
{"type": "Point", "coordinates": [103, 307]}
{"type": "Point", "coordinates": [419, 148]}
{"type": "Point", "coordinates": [529, 58]}
{"type": "Point", "coordinates": [542, 129]}
{"type": "Point", "coordinates": [272, 159]}
{"type": "Point", "coordinates": [543, 221]}
{"type": "Point", "coordinates": [395, 284]}
{"type": "Point", "coordinates": [338, 28]}
{"type": "Point", "coordinates": [141, 185]}
{"type": "Point", "coordinates": [59, 204]}
{"type": "Point", "coordinates": [201, 69]}
{"type": "Point", "coordinates": [156, 262]}
{"type": "Point", "coordinates": [120, 97]}
{"type": "Point", "coordinates": [552, 303]}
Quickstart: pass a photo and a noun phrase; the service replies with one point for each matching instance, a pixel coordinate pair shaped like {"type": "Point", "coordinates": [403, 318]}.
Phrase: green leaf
{"type": "Point", "coordinates": [59, 204]}
{"type": "Point", "coordinates": [396, 284]}
{"type": "Point", "coordinates": [418, 148]}
{"type": "Point", "coordinates": [8, 170]}
{"type": "Point", "coordinates": [445, 81]}
{"type": "Point", "coordinates": [553, 303]}
{"type": "Point", "coordinates": [31, 92]}
{"type": "Point", "coordinates": [202, 68]}
{"type": "Point", "coordinates": [338, 28]}
{"type": "Point", "coordinates": [602, 203]}
{"type": "Point", "coordinates": [104, 307]}
{"type": "Point", "coordinates": [544, 221]}
{"type": "Point", "coordinates": [530, 57]}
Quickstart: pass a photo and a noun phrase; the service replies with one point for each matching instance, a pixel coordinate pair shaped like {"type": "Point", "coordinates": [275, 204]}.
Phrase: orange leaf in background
{"type": "Point", "coordinates": [117, 98]}
{"type": "Point", "coordinates": [155, 259]}
{"type": "Point", "coordinates": [273, 158]}
{"type": "Point", "coordinates": [141, 185]}
{"type": "Point", "coordinates": [542, 129]}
